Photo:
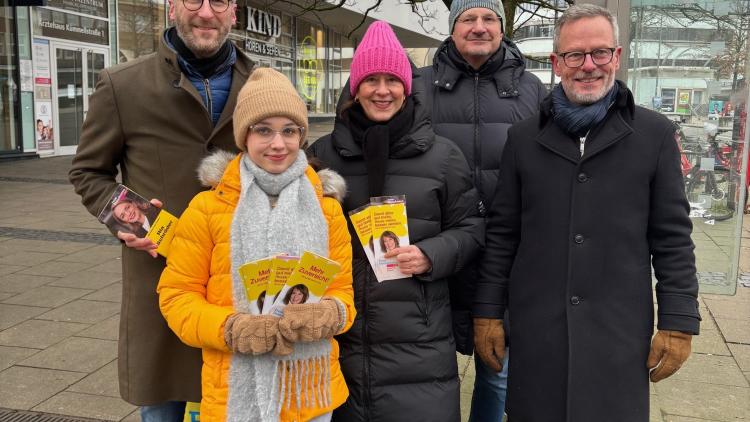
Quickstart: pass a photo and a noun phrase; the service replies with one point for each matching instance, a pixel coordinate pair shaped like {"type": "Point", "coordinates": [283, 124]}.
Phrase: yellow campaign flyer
{"type": "Point", "coordinates": [281, 268]}
{"type": "Point", "coordinates": [128, 212]}
{"type": "Point", "coordinates": [390, 230]}
{"type": "Point", "coordinates": [255, 276]}
{"type": "Point", "coordinates": [362, 223]}
{"type": "Point", "coordinates": [162, 231]}
{"type": "Point", "coordinates": [307, 283]}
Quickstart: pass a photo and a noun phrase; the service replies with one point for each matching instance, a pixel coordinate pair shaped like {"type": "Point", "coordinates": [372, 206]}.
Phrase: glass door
{"type": "Point", "coordinates": [76, 74]}
{"type": "Point", "coordinates": [69, 76]}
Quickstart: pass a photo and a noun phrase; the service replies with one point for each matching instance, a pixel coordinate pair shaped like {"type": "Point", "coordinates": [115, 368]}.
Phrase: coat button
{"type": "Point", "coordinates": [575, 300]}
{"type": "Point", "coordinates": [583, 177]}
{"type": "Point", "coordinates": [578, 238]}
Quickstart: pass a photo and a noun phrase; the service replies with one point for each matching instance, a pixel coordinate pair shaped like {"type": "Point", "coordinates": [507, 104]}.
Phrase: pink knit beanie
{"type": "Point", "coordinates": [379, 52]}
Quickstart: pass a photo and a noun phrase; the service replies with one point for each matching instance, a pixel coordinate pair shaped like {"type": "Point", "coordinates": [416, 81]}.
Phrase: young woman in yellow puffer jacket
{"type": "Point", "coordinates": [266, 200]}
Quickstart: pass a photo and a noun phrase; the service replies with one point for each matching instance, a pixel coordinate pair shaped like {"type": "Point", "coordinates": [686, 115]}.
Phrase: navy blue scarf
{"type": "Point", "coordinates": [579, 119]}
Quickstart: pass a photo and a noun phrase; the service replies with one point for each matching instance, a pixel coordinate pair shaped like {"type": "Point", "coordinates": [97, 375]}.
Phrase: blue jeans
{"type": "Point", "coordinates": [171, 411]}
{"type": "Point", "coordinates": [488, 400]}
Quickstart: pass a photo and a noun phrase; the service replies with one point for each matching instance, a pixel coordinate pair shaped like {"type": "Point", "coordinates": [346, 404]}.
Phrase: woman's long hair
{"type": "Point", "coordinates": [389, 234]}
{"type": "Point", "coordinates": [302, 288]}
{"type": "Point", "coordinates": [131, 227]}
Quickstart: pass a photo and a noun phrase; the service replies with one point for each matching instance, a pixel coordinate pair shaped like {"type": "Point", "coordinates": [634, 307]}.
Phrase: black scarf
{"type": "Point", "coordinates": [205, 66]}
{"type": "Point", "coordinates": [579, 119]}
{"type": "Point", "coordinates": [377, 138]}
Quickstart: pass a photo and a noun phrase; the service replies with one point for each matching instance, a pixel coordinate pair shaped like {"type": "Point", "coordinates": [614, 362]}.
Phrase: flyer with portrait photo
{"type": "Point", "coordinates": [128, 212]}
{"type": "Point", "coordinates": [255, 276]}
{"type": "Point", "coordinates": [389, 231]}
{"type": "Point", "coordinates": [307, 283]}
{"type": "Point", "coordinates": [282, 267]}
{"type": "Point", "coordinates": [362, 223]}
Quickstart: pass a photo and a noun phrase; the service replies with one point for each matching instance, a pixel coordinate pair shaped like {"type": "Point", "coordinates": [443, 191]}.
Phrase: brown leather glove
{"type": "Point", "coordinates": [489, 342]}
{"type": "Point", "coordinates": [251, 334]}
{"type": "Point", "coordinates": [669, 350]}
{"type": "Point", "coordinates": [311, 321]}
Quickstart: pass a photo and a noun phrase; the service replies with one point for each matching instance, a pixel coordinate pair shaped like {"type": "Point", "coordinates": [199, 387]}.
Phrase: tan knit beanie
{"type": "Point", "coordinates": [267, 93]}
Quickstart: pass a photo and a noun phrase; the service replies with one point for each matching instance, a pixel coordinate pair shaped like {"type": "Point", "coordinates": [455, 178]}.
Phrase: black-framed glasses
{"type": "Point", "coordinates": [218, 6]}
{"type": "Point", "coordinates": [600, 57]}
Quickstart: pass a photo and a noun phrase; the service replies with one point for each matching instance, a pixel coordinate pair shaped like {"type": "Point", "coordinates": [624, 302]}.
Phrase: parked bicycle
{"type": "Point", "coordinates": [713, 192]}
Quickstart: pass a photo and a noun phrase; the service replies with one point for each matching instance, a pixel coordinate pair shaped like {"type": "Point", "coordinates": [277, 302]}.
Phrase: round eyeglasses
{"type": "Point", "coordinates": [218, 6]}
{"type": "Point", "coordinates": [288, 133]}
{"type": "Point", "coordinates": [600, 57]}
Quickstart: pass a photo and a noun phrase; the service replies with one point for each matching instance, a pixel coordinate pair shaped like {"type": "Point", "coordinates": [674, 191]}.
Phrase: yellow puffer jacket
{"type": "Point", "coordinates": [195, 289]}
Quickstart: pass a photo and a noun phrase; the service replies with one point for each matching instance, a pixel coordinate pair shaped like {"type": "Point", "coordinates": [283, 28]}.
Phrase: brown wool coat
{"type": "Point", "coordinates": [147, 117]}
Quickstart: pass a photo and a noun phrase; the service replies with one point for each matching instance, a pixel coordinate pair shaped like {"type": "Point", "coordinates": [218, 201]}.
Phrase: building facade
{"type": "Point", "coordinates": [50, 56]}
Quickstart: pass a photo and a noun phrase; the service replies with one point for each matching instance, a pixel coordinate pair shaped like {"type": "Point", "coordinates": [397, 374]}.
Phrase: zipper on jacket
{"type": "Point", "coordinates": [477, 146]}
{"type": "Point", "coordinates": [425, 310]}
{"type": "Point", "coordinates": [209, 101]}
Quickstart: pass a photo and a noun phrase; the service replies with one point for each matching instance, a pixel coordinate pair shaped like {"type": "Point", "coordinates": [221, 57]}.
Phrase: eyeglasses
{"type": "Point", "coordinates": [266, 134]}
{"type": "Point", "coordinates": [600, 57]}
{"type": "Point", "coordinates": [218, 6]}
{"type": "Point", "coordinates": [472, 20]}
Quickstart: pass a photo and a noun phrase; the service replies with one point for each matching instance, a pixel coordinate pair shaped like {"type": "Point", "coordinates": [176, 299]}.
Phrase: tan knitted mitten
{"type": "Point", "coordinates": [251, 334]}
{"type": "Point", "coordinates": [312, 321]}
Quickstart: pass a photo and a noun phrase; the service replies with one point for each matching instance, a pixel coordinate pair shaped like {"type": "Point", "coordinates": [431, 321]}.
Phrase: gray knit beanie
{"type": "Point", "coordinates": [460, 6]}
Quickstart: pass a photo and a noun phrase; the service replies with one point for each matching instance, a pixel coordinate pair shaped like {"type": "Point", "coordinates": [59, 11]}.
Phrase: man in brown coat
{"type": "Point", "coordinates": [156, 117]}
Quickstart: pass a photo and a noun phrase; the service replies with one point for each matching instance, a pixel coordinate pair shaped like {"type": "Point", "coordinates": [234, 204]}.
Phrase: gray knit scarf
{"type": "Point", "coordinates": [260, 385]}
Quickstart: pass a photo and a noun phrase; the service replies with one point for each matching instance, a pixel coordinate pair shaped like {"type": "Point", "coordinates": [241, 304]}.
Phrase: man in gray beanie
{"type": "Point", "coordinates": [478, 88]}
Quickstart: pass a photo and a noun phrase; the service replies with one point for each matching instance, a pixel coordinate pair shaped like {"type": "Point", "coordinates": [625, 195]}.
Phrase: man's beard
{"type": "Point", "coordinates": [588, 98]}
{"type": "Point", "coordinates": [200, 47]}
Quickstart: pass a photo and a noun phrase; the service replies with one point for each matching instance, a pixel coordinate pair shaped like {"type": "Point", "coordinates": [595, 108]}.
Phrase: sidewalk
{"type": "Point", "coordinates": [60, 288]}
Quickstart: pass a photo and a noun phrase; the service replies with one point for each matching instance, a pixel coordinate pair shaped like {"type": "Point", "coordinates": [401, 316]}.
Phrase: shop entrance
{"type": "Point", "coordinates": [76, 69]}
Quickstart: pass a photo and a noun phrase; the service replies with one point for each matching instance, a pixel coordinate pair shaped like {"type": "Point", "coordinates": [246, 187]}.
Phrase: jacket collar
{"type": "Point", "coordinates": [187, 67]}
{"type": "Point", "coordinates": [242, 65]}
{"type": "Point", "coordinates": [624, 101]}
{"type": "Point", "coordinates": [240, 71]}
{"type": "Point", "coordinates": [505, 68]}
{"type": "Point", "coordinates": [419, 139]}
{"type": "Point", "coordinates": [221, 171]}
{"type": "Point", "coordinates": [607, 133]}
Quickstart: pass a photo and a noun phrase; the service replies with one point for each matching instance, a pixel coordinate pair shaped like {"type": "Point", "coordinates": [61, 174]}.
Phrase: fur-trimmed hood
{"type": "Point", "coordinates": [213, 166]}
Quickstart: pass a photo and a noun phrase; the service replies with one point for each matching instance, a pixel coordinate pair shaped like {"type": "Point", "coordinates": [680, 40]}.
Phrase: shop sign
{"type": "Point", "coordinates": [255, 47]}
{"type": "Point", "coordinates": [40, 54]}
{"type": "Point", "coordinates": [98, 8]}
{"type": "Point", "coordinates": [73, 27]}
{"type": "Point", "coordinates": [262, 22]}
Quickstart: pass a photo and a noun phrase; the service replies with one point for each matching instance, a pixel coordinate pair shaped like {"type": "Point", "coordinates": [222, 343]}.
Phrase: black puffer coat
{"type": "Point", "coordinates": [474, 109]}
{"type": "Point", "coordinates": [399, 358]}
{"type": "Point", "coordinates": [570, 245]}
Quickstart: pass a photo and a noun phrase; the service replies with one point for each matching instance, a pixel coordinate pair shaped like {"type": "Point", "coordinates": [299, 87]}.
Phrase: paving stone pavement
{"type": "Point", "coordinates": [60, 287]}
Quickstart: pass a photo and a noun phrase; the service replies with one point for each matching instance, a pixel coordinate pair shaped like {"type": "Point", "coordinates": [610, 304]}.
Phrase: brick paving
{"type": "Point", "coordinates": [60, 287]}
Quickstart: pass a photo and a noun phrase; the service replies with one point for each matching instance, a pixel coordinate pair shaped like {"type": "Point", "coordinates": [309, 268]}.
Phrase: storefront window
{"type": "Point", "coordinates": [688, 62]}
{"type": "Point", "coordinates": [140, 24]}
{"type": "Point", "coordinates": [8, 85]}
{"type": "Point", "coordinates": [266, 35]}
{"type": "Point", "coordinates": [310, 65]}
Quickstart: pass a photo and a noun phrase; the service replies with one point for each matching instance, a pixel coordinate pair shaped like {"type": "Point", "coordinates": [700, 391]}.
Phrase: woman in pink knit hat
{"type": "Point", "coordinates": [399, 358]}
